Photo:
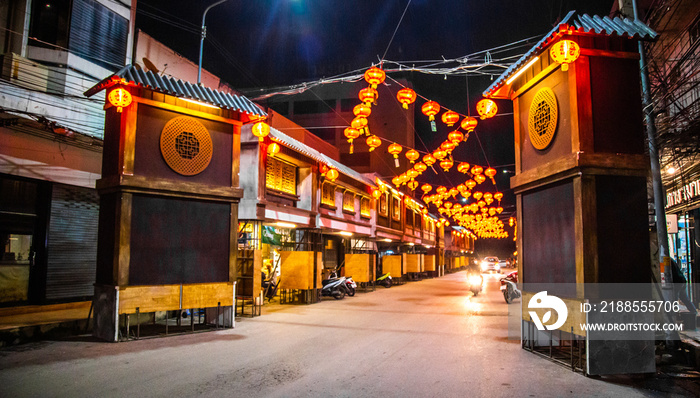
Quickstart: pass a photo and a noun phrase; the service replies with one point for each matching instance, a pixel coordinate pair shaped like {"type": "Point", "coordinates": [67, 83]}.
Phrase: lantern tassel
{"type": "Point", "coordinates": [352, 147]}
{"type": "Point", "coordinates": [433, 127]}
{"type": "Point", "coordinates": [396, 162]}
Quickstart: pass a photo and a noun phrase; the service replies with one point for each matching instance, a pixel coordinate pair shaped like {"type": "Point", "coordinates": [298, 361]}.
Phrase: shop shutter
{"type": "Point", "coordinates": [72, 242]}
{"type": "Point", "coordinates": [98, 34]}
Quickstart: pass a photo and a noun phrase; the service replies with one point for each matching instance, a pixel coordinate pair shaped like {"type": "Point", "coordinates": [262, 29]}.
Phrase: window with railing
{"type": "Point", "coordinates": [281, 176]}
{"type": "Point", "coordinates": [328, 194]}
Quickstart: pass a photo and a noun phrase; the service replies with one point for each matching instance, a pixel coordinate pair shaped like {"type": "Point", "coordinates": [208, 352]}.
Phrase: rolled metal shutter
{"type": "Point", "coordinates": [72, 243]}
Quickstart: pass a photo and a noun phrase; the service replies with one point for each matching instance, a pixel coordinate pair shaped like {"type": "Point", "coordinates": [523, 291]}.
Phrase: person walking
{"type": "Point", "coordinates": [679, 287]}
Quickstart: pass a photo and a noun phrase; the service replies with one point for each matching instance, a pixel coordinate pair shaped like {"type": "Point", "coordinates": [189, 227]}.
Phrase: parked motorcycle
{"type": "Point", "coordinates": [509, 287]}
{"type": "Point", "coordinates": [350, 285]}
{"type": "Point", "coordinates": [385, 280]}
{"type": "Point", "coordinates": [334, 287]}
{"type": "Point", "coordinates": [475, 282]}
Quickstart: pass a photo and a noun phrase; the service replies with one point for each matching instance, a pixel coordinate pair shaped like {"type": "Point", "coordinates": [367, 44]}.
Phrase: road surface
{"type": "Point", "coordinates": [430, 338]}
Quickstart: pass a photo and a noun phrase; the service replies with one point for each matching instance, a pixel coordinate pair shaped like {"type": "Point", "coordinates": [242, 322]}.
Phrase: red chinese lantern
{"type": "Point", "coordinates": [332, 174]}
{"type": "Point", "coordinates": [261, 130]}
{"type": "Point", "coordinates": [498, 196]}
{"type": "Point", "coordinates": [377, 193]}
{"type": "Point", "coordinates": [477, 195]}
{"type": "Point", "coordinates": [412, 155]}
{"type": "Point", "coordinates": [565, 52]}
{"type": "Point", "coordinates": [439, 154]}
{"type": "Point", "coordinates": [448, 146]}
{"type": "Point", "coordinates": [406, 96]}
{"type": "Point", "coordinates": [412, 173]}
{"type": "Point", "coordinates": [420, 167]}
{"type": "Point", "coordinates": [120, 98]}
{"type": "Point", "coordinates": [426, 188]}
{"type": "Point", "coordinates": [429, 160]}
{"type": "Point", "coordinates": [455, 137]}
{"type": "Point", "coordinates": [413, 185]}
{"type": "Point", "coordinates": [323, 168]}
{"type": "Point", "coordinates": [441, 190]}
{"type": "Point", "coordinates": [463, 167]}
{"type": "Point", "coordinates": [395, 149]}
{"type": "Point", "coordinates": [368, 95]}
{"type": "Point", "coordinates": [375, 76]}
{"type": "Point", "coordinates": [499, 209]}
{"type": "Point", "coordinates": [479, 178]}
{"type": "Point", "coordinates": [359, 123]}
{"type": "Point", "coordinates": [396, 181]}
{"type": "Point", "coordinates": [450, 118]}
{"type": "Point", "coordinates": [446, 164]}
{"type": "Point", "coordinates": [273, 149]}
{"type": "Point", "coordinates": [351, 134]}
{"type": "Point", "coordinates": [486, 108]}
{"type": "Point", "coordinates": [373, 142]}
{"type": "Point", "coordinates": [362, 110]}
{"type": "Point", "coordinates": [490, 173]}
{"type": "Point", "coordinates": [430, 109]}
{"type": "Point", "coordinates": [477, 170]}
{"type": "Point", "coordinates": [469, 123]}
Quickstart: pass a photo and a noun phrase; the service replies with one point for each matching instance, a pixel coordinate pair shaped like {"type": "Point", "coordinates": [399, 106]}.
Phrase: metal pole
{"type": "Point", "coordinates": [659, 193]}
{"type": "Point", "coordinates": [201, 41]}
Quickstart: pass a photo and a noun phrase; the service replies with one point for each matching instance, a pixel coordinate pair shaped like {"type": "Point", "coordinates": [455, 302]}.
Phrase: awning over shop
{"type": "Point", "coordinates": [337, 225]}
{"type": "Point", "coordinates": [279, 215]}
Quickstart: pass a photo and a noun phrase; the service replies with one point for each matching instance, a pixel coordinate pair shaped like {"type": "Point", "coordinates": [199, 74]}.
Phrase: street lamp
{"type": "Point", "coordinates": [201, 41]}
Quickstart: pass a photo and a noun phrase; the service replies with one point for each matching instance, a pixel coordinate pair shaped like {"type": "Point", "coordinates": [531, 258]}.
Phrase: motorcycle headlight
{"type": "Point", "coordinates": [474, 280]}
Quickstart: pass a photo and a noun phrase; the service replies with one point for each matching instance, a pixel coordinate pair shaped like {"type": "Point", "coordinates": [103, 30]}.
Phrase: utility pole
{"type": "Point", "coordinates": [201, 41]}
{"type": "Point", "coordinates": [659, 205]}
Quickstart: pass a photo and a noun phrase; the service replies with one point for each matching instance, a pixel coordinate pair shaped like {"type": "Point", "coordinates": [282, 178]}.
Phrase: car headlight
{"type": "Point", "coordinates": [484, 266]}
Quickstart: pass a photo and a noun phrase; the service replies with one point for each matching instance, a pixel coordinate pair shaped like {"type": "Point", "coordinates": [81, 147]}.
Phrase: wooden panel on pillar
{"type": "Point", "coordinates": [429, 262]}
{"type": "Point", "coordinates": [413, 263]}
{"type": "Point", "coordinates": [206, 295]}
{"type": "Point", "coordinates": [359, 266]}
{"type": "Point", "coordinates": [297, 270]}
{"type": "Point", "coordinates": [394, 265]}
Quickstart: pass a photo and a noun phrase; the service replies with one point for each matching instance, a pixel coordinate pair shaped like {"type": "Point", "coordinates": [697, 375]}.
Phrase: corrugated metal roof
{"type": "Point", "coordinates": [178, 88]}
{"type": "Point", "coordinates": [290, 142]}
{"type": "Point", "coordinates": [584, 24]}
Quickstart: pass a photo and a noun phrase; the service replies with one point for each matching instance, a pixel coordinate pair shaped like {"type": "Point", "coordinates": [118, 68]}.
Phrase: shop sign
{"type": "Point", "coordinates": [686, 193]}
{"type": "Point", "coordinates": [269, 236]}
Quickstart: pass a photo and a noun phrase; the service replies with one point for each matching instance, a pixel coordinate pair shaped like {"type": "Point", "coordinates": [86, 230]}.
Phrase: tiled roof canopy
{"type": "Point", "coordinates": [133, 75]}
{"type": "Point", "coordinates": [584, 23]}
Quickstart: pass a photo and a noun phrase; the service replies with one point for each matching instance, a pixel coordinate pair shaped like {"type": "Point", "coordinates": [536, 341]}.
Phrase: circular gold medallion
{"type": "Point", "coordinates": [542, 120]}
{"type": "Point", "coordinates": [186, 145]}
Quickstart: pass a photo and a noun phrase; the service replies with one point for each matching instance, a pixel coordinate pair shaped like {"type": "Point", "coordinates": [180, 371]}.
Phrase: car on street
{"type": "Point", "coordinates": [490, 264]}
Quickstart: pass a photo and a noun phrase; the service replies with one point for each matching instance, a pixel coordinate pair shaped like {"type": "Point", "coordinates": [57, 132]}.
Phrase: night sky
{"type": "Point", "coordinates": [270, 43]}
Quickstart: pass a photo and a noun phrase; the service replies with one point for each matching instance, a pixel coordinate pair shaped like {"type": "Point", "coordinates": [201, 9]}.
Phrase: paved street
{"type": "Point", "coordinates": [422, 339]}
